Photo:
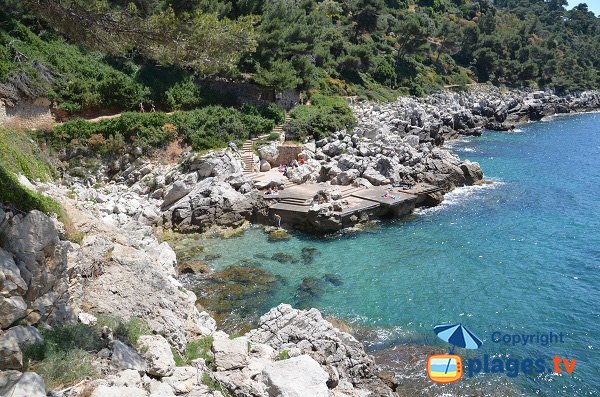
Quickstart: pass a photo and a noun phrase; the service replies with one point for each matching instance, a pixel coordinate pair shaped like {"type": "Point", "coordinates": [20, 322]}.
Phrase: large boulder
{"type": "Point", "coordinates": [23, 335]}
{"type": "Point", "coordinates": [230, 353]}
{"type": "Point", "coordinates": [11, 281]}
{"type": "Point", "coordinates": [472, 172]}
{"type": "Point", "coordinates": [306, 332]}
{"type": "Point", "coordinates": [124, 357]}
{"type": "Point", "coordinates": [33, 270]}
{"type": "Point", "coordinates": [269, 153]}
{"type": "Point", "coordinates": [15, 384]}
{"type": "Point", "coordinates": [10, 354]}
{"type": "Point", "coordinates": [176, 193]}
{"type": "Point", "coordinates": [11, 309]}
{"type": "Point", "coordinates": [295, 377]}
{"type": "Point", "coordinates": [157, 353]}
{"type": "Point", "coordinates": [373, 176]}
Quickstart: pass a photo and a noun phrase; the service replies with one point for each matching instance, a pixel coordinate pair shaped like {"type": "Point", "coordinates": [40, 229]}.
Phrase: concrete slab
{"type": "Point", "coordinates": [377, 195]}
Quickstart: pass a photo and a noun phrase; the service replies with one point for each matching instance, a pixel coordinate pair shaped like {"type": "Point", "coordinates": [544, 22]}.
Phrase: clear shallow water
{"type": "Point", "coordinates": [519, 256]}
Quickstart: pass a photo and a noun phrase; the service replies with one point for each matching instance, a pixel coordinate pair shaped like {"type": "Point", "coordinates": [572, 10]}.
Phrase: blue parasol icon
{"type": "Point", "coordinates": [457, 335]}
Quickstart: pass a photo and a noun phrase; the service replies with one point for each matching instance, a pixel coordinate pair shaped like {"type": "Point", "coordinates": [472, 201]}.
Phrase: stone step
{"type": "Point", "coordinates": [294, 200]}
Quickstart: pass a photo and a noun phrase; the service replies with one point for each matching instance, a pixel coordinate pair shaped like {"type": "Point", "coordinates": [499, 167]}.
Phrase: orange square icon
{"type": "Point", "coordinates": [444, 368]}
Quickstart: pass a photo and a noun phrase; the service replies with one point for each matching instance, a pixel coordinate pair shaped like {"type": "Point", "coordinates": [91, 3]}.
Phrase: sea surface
{"type": "Point", "coordinates": [519, 256]}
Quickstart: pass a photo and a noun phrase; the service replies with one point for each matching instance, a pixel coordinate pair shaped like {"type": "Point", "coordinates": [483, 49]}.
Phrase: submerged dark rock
{"type": "Point", "coordinates": [236, 294]}
{"type": "Point", "coordinates": [283, 257]}
{"type": "Point", "coordinates": [308, 254]}
{"type": "Point", "coordinates": [333, 279]}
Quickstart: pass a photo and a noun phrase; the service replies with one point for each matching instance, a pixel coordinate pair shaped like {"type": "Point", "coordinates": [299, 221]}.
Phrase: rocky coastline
{"type": "Point", "coordinates": [393, 143]}
{"type": "Point", "coordinates": [120, 267]}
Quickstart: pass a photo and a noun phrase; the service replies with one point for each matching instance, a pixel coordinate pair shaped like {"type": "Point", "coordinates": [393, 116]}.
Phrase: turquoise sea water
{"type": "Point", "coordinates": [520, 256]}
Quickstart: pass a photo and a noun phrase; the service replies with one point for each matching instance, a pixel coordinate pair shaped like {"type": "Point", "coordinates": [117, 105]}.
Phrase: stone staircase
{"type": "Point", "coordinates": [349, 190]}
{"type": "Point", "coordinates": [295, 201]}
{"type": "Point", "coordinates": [248, 150]}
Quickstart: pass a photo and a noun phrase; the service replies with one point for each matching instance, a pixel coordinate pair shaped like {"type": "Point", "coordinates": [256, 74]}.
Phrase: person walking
{"type": "Point", "coordinates": [142, 110]}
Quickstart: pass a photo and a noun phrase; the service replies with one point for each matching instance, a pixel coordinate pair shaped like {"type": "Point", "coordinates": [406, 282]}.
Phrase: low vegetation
{"type": "Point", "coordinates": [205, 128]}
{"type": "Point", "coordinates": [65, 355]}
{"type": "Point", "coordinates": [20, 155]}
{"type": "Point", "coordinates": [282, 355]}
{"type": "Point", "coordinates": [127, 330]}
{"type": "Point", "coordinates": [324, 116]}
{"type": "Point", "coordinates": [199, 348]}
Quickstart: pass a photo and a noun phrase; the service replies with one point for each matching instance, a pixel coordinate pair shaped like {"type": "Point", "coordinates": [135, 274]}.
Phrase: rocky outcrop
{"type": "Point", "coordinates": [34, 289]}
{"type": "Point", "coordinates": [445, 114]}
{"type": "Point", "coordinates": [33, 270]}
{"type": "Point", "coordinates": [300, 332]}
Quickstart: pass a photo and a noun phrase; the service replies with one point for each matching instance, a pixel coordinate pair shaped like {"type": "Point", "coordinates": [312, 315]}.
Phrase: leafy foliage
{"type": "Point", "coordinates": [323, 117]}
{"type": "Point", "coordinates": [205, 128]}
{"type": "Point", "coordinates": [202, 41]}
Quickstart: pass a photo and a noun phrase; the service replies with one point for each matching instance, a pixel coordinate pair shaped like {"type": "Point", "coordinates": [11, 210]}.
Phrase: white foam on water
{"type": "Point", "coordinates": [459, 195]}
{"type": "Point", "coordinates": [468, 149]}
{"type": "Point", "coordinates": [517, 130]}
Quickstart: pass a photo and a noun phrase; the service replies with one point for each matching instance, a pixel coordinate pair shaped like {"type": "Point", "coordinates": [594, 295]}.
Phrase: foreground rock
{"type": "Point", "coordinates": [301, 332]}
{"type": "Point", "coordinates": [296, 377]}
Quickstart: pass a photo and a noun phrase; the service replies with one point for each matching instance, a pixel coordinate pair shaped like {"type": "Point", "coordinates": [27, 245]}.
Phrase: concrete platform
{"type": "Point", "coordinates": [419, 188]}
{"type": "Point", "coordinates": [377, 194]}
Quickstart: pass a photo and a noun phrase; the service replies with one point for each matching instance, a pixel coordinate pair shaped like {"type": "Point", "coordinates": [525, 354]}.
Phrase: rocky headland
{"type": "Point", "coordinates": [120, 268]}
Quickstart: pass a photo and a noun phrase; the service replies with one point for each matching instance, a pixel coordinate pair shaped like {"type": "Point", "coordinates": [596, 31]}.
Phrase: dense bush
{"type": "Point", "coordinates": [323, 117]}
{"type": "Point", "coordinates": [204, 128]}
{"type": "Point", "coordinates": [268, 111]}
{"type": "Point", "coordinates": [65, 355]}
{"type": "Point", "coordinates": [183, 95]}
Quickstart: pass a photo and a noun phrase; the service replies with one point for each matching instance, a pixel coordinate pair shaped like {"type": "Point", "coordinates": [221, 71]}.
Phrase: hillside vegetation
{"type": "Point", "coordinates": [114, 54]}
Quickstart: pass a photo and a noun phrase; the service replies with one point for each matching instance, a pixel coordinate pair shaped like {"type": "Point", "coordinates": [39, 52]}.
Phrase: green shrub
{"type": "Point", "coordinates": [269, 111]}
{"type": "Point", "coordinates": [257, 125]}
{"type": "Point", "coordinates": [63, 340]}
{"type": "Point", "coordinates": [183, 95]}
{"type": "Point", "coordinates": [127, 330]}
{"type": "Point", "coordinates": [214, 385]}
{"type": "Point", "coordinates": [205, 128]}
{"type": "Point", "coordinates": [282, 355]}
{"type": "Point", "coordinates": [199, 348]}
{"type": "Point", "coordinates": [323, 117]}
{"type": "Point", "coordinates": [65, 354]}
{"type": "Point", "coordinates": [78, 80]}
{"type": "Point", "coordinates": [273, 136]}
{"type": "Point", "coordinates": [63, 369]}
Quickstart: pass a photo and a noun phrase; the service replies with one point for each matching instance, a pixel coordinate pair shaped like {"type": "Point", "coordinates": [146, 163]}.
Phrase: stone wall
{"type": "Point", "coordinates": [288, 153]}
{"type": "Point", "coordinates": [287, 99]}
{"type": "Point", "coordinates": [242, 93]}
{"type": "Point", "coordinates": [29, 114]}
